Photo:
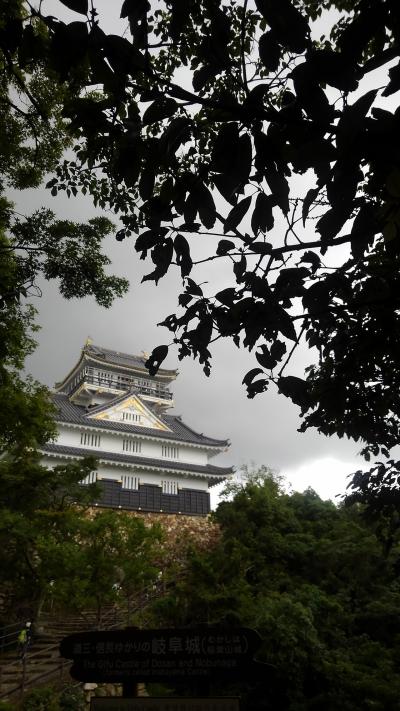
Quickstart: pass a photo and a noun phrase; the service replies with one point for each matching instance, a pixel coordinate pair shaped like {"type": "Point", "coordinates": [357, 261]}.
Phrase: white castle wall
{"type": "Point", "coordinates": [112, 442]}
{"type": "Point", "coordinates": [109, 471]}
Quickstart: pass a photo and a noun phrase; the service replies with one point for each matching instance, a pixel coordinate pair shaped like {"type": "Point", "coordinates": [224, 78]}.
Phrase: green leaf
{"type": "Point", "coordinates": [80, 6]}
{"type": "Point", "coordinates": [237, 214]}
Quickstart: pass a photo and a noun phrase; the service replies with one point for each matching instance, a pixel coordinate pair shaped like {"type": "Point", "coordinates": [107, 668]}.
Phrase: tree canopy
{"type": "Point", "coordinates": [318, 585]}
{"type": "Point", "coordinates": [239, 122]}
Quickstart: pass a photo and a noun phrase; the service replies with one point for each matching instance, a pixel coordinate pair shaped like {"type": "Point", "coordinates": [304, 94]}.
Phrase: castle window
{"type": "Point", "coordinates": [88, 439]}
{"type": "Point", "coordinates": [131, 445]}
{"type": "Point", "coordinates": [90, 478]}
{"type": "Point", "coordinates": [130, 482]}
{"type": "Point", "coordinates": [169, 487]}
{"type": "Point", "coordinates": [170, 451]}
{"type": "Point", "coordinates": [131, 416]}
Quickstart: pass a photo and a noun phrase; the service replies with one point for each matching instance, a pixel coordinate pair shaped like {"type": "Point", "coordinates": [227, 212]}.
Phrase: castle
{"type": "Point", "coordinates": [148, 460]}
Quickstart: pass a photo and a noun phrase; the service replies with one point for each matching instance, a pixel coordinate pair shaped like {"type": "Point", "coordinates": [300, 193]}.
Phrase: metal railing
{"type": "Point", "coordinates": [59, 664]}
{"type": "Point", "coordinates": [115, 384]}
{"type": "Point", "coordinates": [9, 635]}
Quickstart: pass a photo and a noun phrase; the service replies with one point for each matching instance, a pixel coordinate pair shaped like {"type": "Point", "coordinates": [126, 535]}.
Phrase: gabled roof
{"type": "Point", "coordinates": [213, 474]}
{"type": "Point", "coordinates": [130, 398]}
{"type": "Point", "coordinates": [179, 431]}
{"type": "Point", "coordinates": [122, 359]}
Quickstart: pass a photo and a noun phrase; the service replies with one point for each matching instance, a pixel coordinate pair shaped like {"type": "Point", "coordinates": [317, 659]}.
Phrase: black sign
{"type": "Point", "coordinates": [163, 655]}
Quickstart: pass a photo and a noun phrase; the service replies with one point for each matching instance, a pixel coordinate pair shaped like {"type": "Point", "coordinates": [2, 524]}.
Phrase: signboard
{"type": "Point", "coordinates": [164, 704]}
{"type": "Point", "coordinates": [133, 655]}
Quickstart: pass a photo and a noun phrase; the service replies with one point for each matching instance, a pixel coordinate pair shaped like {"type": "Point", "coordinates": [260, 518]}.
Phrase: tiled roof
{"type": "Point", "coordinates": [68, 412]}
{"type": "Point", "coordinates": [122, 359]}
{"type": "Point", "coordinates": [212, 473]}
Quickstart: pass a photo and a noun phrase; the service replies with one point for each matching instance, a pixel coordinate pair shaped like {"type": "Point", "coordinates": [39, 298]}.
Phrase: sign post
{"type": "Point", "coordinates": [194, 656]}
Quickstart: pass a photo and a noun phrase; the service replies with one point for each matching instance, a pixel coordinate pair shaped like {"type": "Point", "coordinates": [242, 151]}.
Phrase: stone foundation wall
{"type": "Point", "coordinates": [181, 531]}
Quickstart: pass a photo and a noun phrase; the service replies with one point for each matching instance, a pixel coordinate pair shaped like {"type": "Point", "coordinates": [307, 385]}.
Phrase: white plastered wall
{"type": "Point", "coordinates": [110, 442]}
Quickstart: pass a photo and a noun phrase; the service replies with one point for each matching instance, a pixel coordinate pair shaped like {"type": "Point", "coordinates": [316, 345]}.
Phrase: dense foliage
{"type": "Point", "coordinates": [239, 123]}
{"type": "Point", "coordinates": [319, 586]}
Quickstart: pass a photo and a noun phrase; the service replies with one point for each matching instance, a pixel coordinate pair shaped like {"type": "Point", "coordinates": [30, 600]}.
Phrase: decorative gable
{"type": "Point", "coordinates": [130, 411]}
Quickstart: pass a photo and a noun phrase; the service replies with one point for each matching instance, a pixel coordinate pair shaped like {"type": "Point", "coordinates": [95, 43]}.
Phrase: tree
{"type": "Point", "coordinates": [115, 560]}
{"type": "Point", "coordinates": [314, 581]}
{"type": "Point", "coordinates": [263, 101]}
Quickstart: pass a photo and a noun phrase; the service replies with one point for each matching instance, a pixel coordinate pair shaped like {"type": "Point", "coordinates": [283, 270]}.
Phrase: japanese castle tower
{"type": "Point", "coordinates": [110, 408]}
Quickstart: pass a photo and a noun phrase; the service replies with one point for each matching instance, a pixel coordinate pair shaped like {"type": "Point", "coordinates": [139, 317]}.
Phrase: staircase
{"type": "Point", "coordinates": [43, 662]}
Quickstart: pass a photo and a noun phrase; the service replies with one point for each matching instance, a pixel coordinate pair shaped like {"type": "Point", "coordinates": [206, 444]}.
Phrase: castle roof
{"type": "Point", "coordinates": [212, 473]}
{"type": "Point", "coordinates": [68, 412]}
{"type": "Point", "coordinates": [117, 361]}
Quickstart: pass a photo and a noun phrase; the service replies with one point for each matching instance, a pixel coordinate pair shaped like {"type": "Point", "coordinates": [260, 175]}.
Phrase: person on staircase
{"type": "Point", "coordinates": [24, 640]}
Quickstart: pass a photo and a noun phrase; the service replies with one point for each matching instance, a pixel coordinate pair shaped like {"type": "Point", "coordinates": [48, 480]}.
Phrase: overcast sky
{"type": "Point", "coordinates": [262, 430]}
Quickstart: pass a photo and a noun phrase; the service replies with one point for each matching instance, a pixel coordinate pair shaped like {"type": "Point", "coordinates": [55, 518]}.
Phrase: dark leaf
{"type": "Point", "coordinates": [80, 6]}
{"type": "Point", "coordinates": [279, 187]}
{"type": "Point", "coordinates": [225, 149]}
{"type": "Point", "coordinates": [262, 218]}
{"type": "Point", "coordinates": [251, 375]}
{"type": "Point", "coordinates": [203, 75]}
{"type": "Point", "coordinates": [161, 255]}
{"type": "Point", "coordinates": [307, 202]}
{"type": "Point", "coordinates": [205, 206]}
{"type": "Point", "coordinates": [183, 258]}
{"type": "Point", "coordinates": [335, 69]}
{"type": "Point", "coordinates": [257, 386]}
{"type": "Point", "coordinates": [146, 182]}
{"type": "Point", "coordinates": [224, 246]}
{"type": "Point", "coordinates": [176, 134]}
{"type": "Point", "coordinates": [193, 288]}
{"type": "Point", "coordinates": [147, 240]}
{"type": "Point", "coordinates": [158, 355]}
{"type": "Point", "coordinates": [226, 297]}
{"type": "Point", "coordinates": [289, 26]}
{"type": "Point", "coordinates": [135, 9]}
{"type": "Point", "coordinates": [227, 184]}
{"type": "Point", "coordinates": [269, 51]}
{"type": "Point", "coordinates": [159, 110]}
{"type": "Point", "coordinates": [394, 84]}
{"type": "Point", "coordinates": [265, 359]}
{"type": "Point", "coordinates": [296, 389]}
{"type": "Point", "coordinates": [311, 258]}
{"type": "Point", "coordinates": [237, 214]}
{"type": "Point", "coordinates": [261, 247]}
{"type": "Point", "coordinates": [239, 268]}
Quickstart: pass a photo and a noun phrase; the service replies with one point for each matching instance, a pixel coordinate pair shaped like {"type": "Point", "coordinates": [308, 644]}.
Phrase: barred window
{"type": "Point", "coordinates": [90, 440]}
{"type": "Point", "coordinates": [170, 451]}
{"type": "Point", "coordinates": [130, 482]}
{"type": "Point", "coordinates": [90, 478]}
{"type": "Point", "coordinates": [131, 417]}
{"type": "Point", "coordinates": [169, 487]}
{"type": "Point", "coordinates": [131, 445]}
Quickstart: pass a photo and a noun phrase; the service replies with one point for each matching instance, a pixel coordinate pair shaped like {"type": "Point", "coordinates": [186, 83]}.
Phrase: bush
{"type": "Point", "coordinates": [43, 699]}
{"type": "Point", "coordinates": [72, 699]}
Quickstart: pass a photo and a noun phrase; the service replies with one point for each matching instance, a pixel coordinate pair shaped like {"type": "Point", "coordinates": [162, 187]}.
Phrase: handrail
{"type": "Point", "coordinates": [146, 595]}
